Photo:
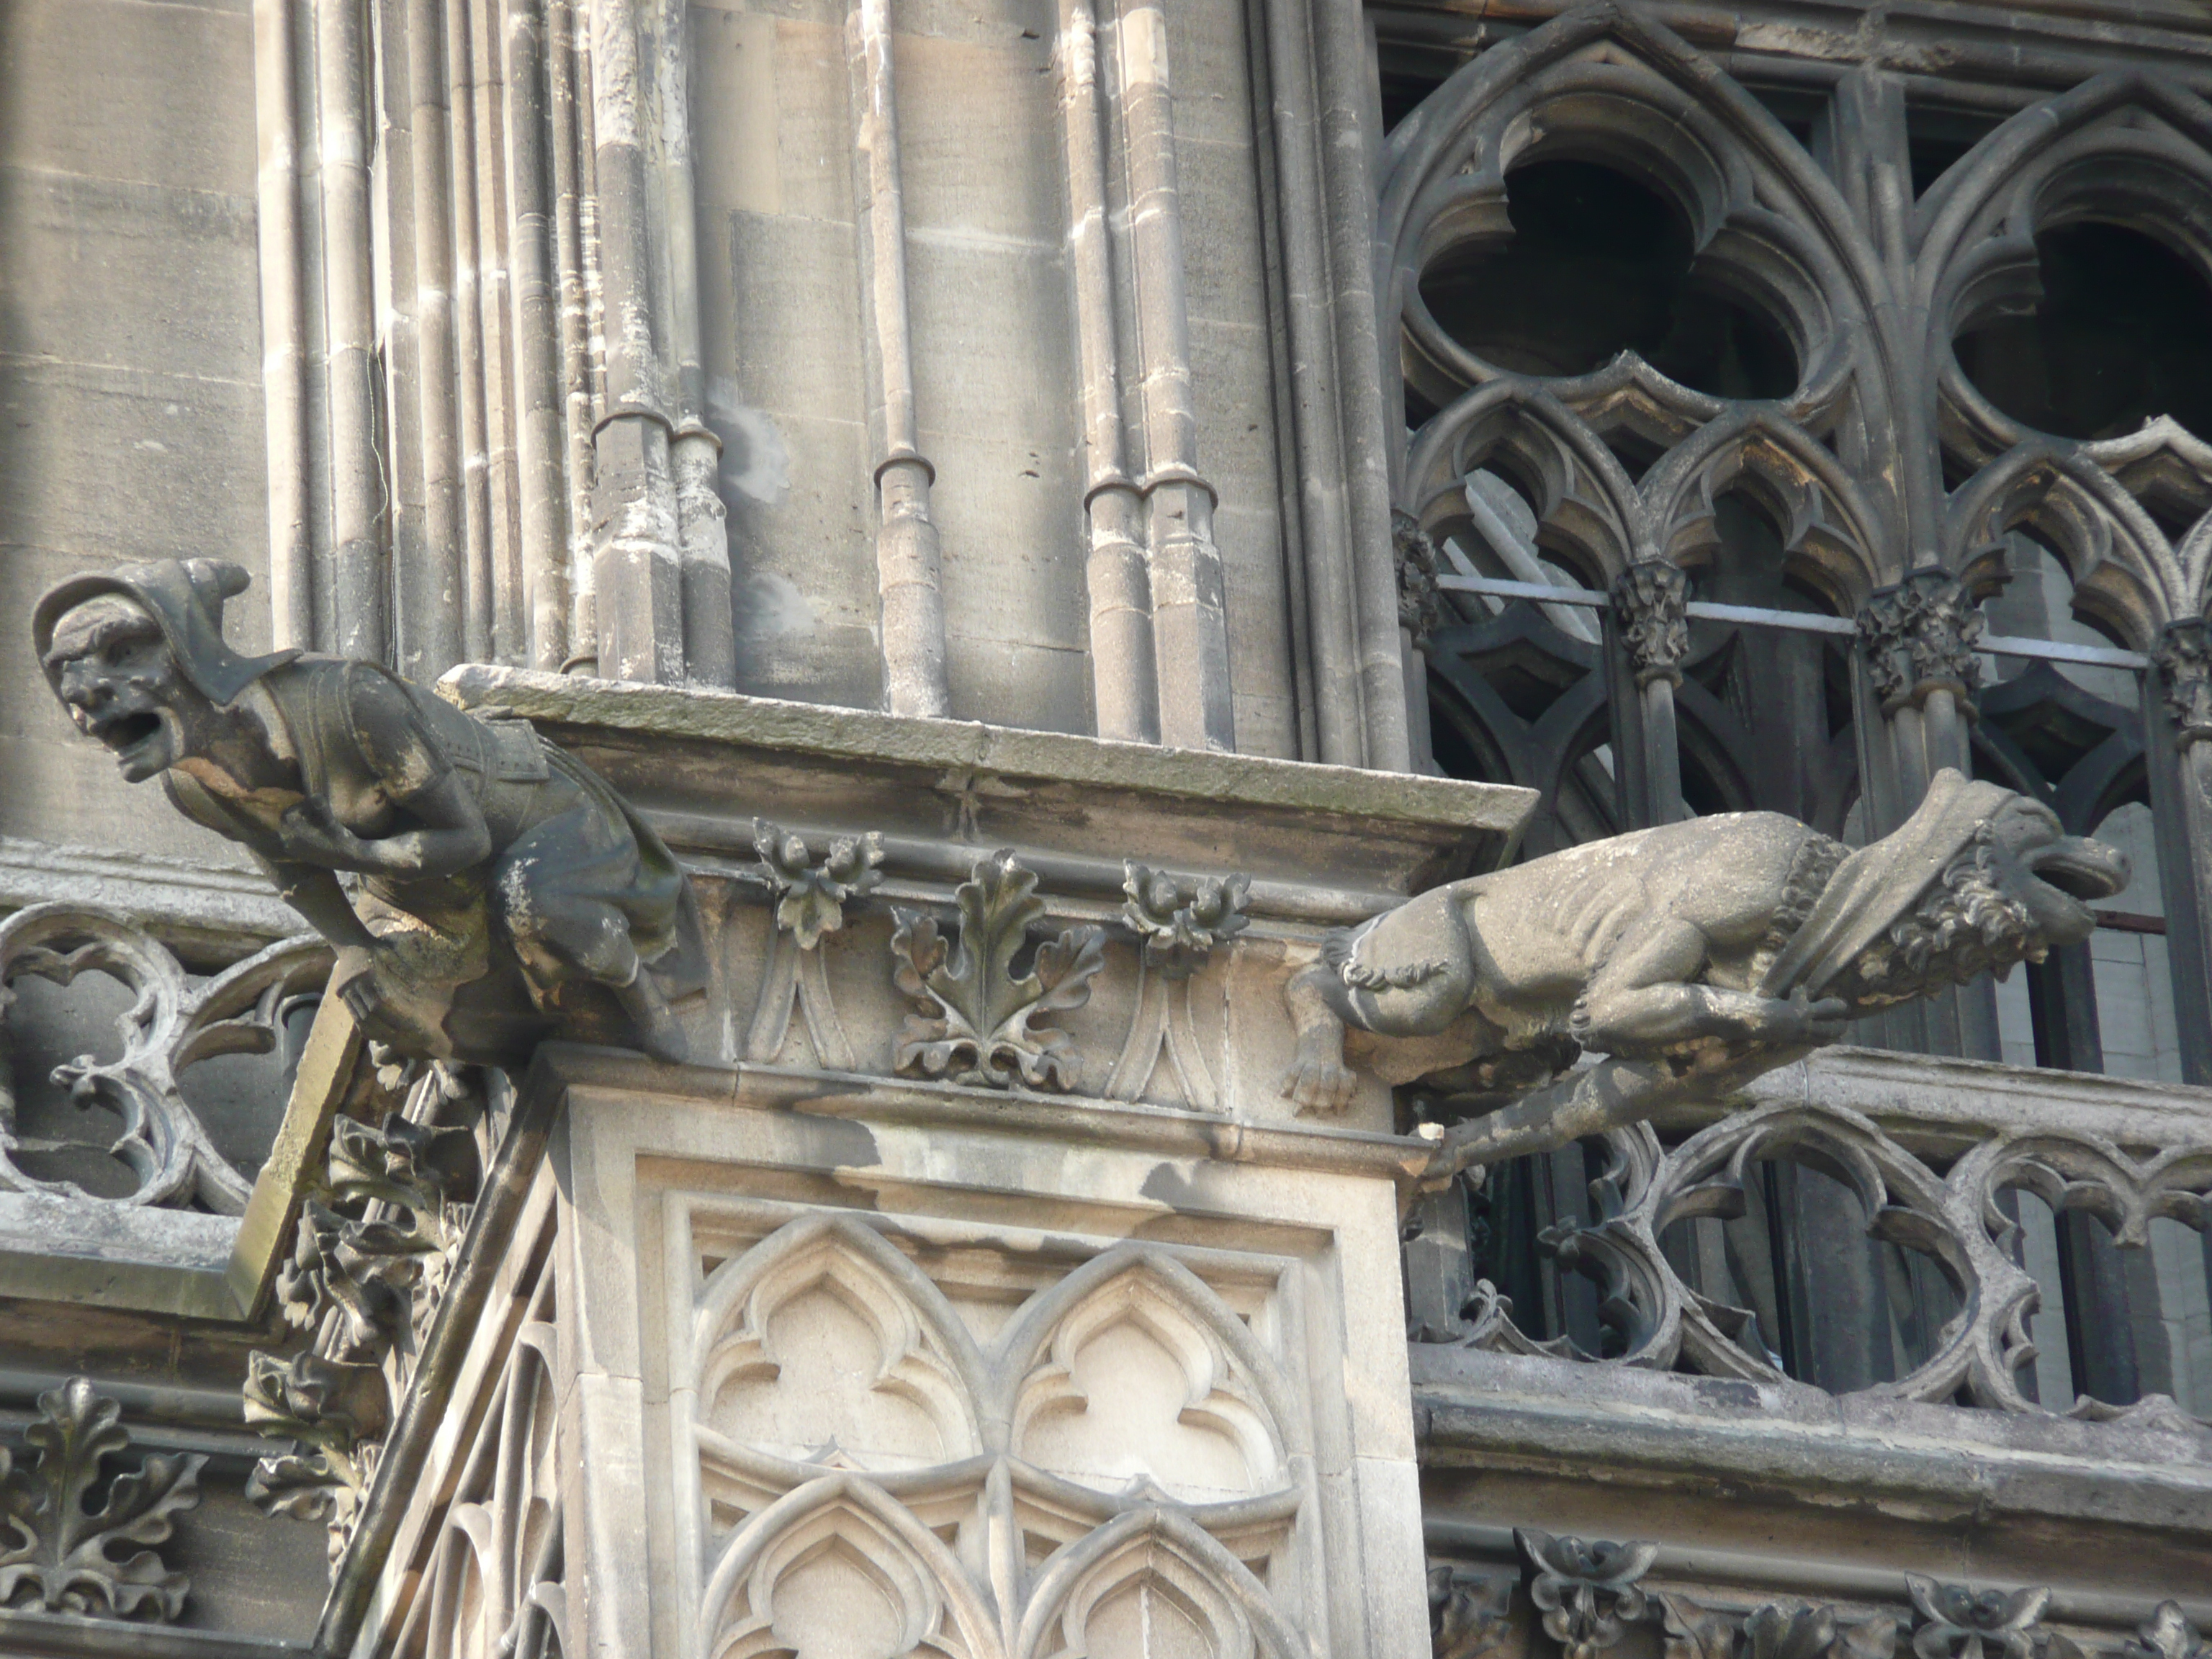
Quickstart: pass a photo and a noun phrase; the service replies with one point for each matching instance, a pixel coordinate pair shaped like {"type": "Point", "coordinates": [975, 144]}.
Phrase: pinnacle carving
{"type": "Point", "coordinates": [57, 1555]}
{"type": "Point", "coordinates": [975, 1019]}
{"type": "Point", "coordinates": [1920, 637]}
{"type": "Point", "coordinates": [1649, 602]}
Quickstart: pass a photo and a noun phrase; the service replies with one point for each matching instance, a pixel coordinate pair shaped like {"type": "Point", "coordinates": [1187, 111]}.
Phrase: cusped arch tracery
{"type": "Point", "coordinates": [824, 1344]}
{"type": "Point", "coordinates": [841, 1552]}
{"type": "Point", "coordinates": [1600, 84]}
{"type": "Point", "coordinates": [1196, 1407]}
{"type": "Point", "coordinates": [1151, 1582]}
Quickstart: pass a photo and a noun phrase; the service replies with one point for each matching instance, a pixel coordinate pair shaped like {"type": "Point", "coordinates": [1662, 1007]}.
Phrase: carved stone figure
{"type": "Point", "coordinates": [1695, 944]}
{"type": "Point", "coordinates": [504, 891]}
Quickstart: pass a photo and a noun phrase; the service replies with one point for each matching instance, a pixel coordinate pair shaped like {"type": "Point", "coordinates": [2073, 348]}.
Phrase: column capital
{"type": "Point", "coordinates": [2183, 657]}
{"type": "Point", "coordinates": [1920, 637]}
{"type": "Point", "coordinates": [1649, 601]}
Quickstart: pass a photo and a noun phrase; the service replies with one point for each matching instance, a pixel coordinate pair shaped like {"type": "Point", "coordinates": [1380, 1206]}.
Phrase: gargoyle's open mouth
{"type": "Point", "coordinates": [2083, 869]}
{"type": "Point", "coordinates": [127, 731]}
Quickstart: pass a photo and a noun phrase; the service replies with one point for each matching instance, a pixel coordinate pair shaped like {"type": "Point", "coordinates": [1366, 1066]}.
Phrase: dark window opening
{"type": "Point", "coordinates": [1598, 264]}
{"type": "Point", "coordinates": [2123, 333]}
{"type": "Point", "coordinates": [1937, 140]}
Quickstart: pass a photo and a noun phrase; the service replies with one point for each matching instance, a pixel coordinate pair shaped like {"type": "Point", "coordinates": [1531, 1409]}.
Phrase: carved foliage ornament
{"type": "Point", "coordinates": [1178, 920]}
{"type": "Point", "coordinates": [1421, 608]}
{"type": "Point", "coordinates": [810, 897]}
{"type": "Point", "coordinates": [170, 1025]}
{"type": "Point", "coordinates": [1919, 637]}
{"type": "Point", "coordinates": [2183, 657]}
{"type": "Point", "coordinates": [1773, 1633]}
{"type": "Point", "coordinates": [370, 1266]}
{"type": "Point", "coordinates": [59, 1556]}
{"type": "Point", "coordinates": [1649, 601]}
{"type": "Point", "coordinates": [1587, 1592]}
{"type": "Point", "coordinates": [975, 1019]}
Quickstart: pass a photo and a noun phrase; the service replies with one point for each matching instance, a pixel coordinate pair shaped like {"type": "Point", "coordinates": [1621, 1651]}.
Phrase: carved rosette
{"type": "Point", "coordinates": [1919, 637]}
{"type": "Point", "coordinates": [2184, 659]}
{"type": "Point", "coordinates": [1650, 605]}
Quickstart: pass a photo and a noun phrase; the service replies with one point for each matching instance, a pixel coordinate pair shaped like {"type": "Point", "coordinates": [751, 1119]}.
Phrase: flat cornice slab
{"type": "Point", "coordinates": [700, 759]}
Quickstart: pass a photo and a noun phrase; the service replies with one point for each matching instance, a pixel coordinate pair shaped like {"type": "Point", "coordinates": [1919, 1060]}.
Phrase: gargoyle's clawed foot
{"type": "Point", "coordinates": [658, 1032]}
{"type": "Point", "coordinates": [1318, 1083]}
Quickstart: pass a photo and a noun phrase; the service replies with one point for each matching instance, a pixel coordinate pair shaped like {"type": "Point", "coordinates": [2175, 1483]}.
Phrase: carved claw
{"type": "Point", "coordinates": [1319, 1084]}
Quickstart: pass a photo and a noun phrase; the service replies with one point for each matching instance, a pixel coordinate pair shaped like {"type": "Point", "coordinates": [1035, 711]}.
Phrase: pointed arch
{"type": "Point", "coordinates": [1227, 1385]}
{"type": "Point", "coordinates": [1826, 523]}
{"type": "Point", "coordinates": [1585, 503]}
{"type": "Point", "coordinates": [2126, 148]}
{"type": "Point", "coordinates": [2124, 573]}
{"type": "Point", "coordinates": [1159, 1552]}
{"type": "Point", "coordinates": [925, 1355]}
{"type": "Point", "coordinates": [846, 1520]}
{"type": "Point", "coordinates": [1601, 84]}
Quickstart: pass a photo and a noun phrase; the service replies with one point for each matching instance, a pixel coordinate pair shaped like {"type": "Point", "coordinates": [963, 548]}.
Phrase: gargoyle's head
{"type": "Point", "coordinates": [2019, 886]}
{"type": "Point", "coordinates": [2053, 876]}
{"type": "Point", "coordinates": [136, 654]}
{"type": "Point", "coordinates": [113, 668]}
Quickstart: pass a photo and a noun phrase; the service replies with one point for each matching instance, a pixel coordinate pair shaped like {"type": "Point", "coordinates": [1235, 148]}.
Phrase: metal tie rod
{"type": "Point", "coordinates": [1800, 622]}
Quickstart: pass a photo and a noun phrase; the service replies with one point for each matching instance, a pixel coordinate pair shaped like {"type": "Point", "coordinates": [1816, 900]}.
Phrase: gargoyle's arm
{"type": "Point", "coordinates": [314, 892]}
{"type": "Point", "coordinates": [448, 833]}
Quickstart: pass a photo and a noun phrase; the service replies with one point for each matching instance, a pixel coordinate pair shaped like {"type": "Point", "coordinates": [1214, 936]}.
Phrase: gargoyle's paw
{"type": "Point", "coordinates": [1828, 1020]}
{"type": "Point", "coordinates": [1320, 1085]}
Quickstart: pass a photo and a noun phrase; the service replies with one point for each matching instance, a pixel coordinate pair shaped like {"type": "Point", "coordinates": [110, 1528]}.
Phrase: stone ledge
{"type": "Point", "coordinates": [206, 912]}
{"type": "Point", "coordinates": [1939, 1106]}
{"type": "Point", "coordinates": [705, 762]}
{"type": "Point", "coordinates": [1949, 1464]}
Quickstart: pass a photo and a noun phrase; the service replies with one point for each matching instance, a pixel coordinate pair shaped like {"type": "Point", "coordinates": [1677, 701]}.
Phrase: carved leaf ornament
{"type": "Point", "coordinates": [60, 1557]}
{"type": "Point", "coordinates": [793, 1511]}
{"type": "Point", "coordinates": [369, 1264]}
{"type": "Point", "coordinates": [1587, 1592]}
{"type": "Point", "coordinates": [973, 1014]}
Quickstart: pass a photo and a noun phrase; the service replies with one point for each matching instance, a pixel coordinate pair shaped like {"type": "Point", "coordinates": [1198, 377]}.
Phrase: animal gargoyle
{"type": "Point", "coordinates": [1696, 956]}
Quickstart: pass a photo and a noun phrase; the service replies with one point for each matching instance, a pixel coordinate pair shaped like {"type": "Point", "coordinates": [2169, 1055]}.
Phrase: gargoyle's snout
{"type": "Point", "coordinates": [2082, 868]}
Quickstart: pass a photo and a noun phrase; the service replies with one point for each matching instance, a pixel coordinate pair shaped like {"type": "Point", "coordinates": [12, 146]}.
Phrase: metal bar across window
{"type": "Point", "coordinates": [1802, 622]}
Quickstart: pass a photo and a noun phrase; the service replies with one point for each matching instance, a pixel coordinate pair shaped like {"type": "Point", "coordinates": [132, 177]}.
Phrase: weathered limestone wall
{"type": "Point", "coordinates": [130, 397]}
{"type": "Point", "coordinates": [997, 361]}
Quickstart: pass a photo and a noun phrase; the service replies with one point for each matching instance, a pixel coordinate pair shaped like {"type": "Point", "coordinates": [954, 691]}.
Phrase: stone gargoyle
{"type": "Point", "coordinates": [1695, 955]}
{"type": "Point", "coordinates": [502, 892]}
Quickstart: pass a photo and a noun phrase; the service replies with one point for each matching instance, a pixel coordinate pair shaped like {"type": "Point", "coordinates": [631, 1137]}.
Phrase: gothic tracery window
{"type": "Point", "coordinates": [1915, 401]}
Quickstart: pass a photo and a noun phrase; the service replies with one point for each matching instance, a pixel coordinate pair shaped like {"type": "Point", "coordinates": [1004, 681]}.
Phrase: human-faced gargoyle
{"type": "Point", "coordinates": [1718, 944]}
